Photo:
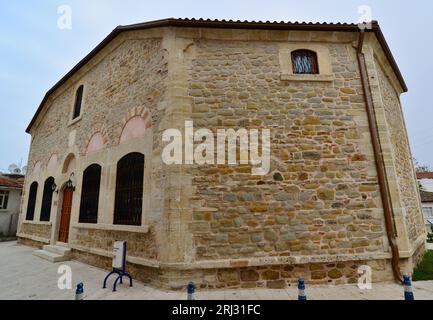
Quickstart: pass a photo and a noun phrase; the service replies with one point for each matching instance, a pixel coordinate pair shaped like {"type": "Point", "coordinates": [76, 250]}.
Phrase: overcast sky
{"type": "Point", "coordinates": [35, 53]}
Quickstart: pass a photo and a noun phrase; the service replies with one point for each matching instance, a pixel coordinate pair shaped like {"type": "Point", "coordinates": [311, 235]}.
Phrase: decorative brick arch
{"type": "Point", "coordinates": [53, 161]}
{"type": "Point", "coordinates": [69, 164]}
{"type": "Point", "coordinates": [95, 144]}
{"type": "Point", "coordinates": [37, 167]}
{"type": "Point", "coordinates": [135, 124]}
{"type": "Point", "coordinates": [97, 139]}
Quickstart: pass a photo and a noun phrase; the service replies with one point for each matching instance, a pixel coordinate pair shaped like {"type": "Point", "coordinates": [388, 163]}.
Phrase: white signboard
{"type": "Point", "coordinates": [119, 254]}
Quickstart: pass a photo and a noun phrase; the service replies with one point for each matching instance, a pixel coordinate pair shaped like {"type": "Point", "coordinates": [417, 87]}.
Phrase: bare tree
{"type": "Point", "coordinates": [420, 168]}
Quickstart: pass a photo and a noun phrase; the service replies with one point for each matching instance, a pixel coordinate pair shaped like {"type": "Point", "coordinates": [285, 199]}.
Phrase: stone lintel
{"type": "Point", "coordinates": [110, 227]}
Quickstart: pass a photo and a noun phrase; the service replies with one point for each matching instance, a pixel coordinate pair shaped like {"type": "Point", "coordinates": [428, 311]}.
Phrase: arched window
{"type": "Point", "coordinates": [129, 190]}
{"type": "Point", "coordinates": [90, 194]}
{"type": "Point", "coordinates": [69, 164]}
{"type": "Point", "coordinates": [305, 62]}
{"type": "Point", "coordinates": [47, 199]}
{"type": "Point", "coordinates": [78, 102]}
{"type": "Point", "coordinates": [32, 201]}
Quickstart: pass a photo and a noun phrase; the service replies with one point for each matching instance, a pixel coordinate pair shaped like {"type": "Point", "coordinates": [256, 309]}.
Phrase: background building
{"type": "Point", "coordinates": [425, 180]}
{"type": "Point", "coordinates": [427, 209]}
{"type": "Point", "coordinates": [11, 186]}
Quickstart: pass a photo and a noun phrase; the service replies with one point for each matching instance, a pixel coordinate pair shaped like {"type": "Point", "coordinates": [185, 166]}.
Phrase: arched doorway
{"type": "Point", "coordinates": [65, 218]}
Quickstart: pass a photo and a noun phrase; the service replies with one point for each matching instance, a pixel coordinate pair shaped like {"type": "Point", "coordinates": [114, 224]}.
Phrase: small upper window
{"type": "Point", "coordinates": [78, 102]}
{"type": "Point", "coordinates": [4, 197]}
{"type": "Point", "coordinates": [305, 62]}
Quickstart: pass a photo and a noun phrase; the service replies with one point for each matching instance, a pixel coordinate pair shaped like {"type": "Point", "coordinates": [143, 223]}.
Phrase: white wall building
{"type": "Point", "coordinates": [10, 201]}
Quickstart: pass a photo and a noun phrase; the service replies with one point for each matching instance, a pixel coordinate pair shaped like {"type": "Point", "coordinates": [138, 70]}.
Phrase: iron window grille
{"type": "Point", "coordinates": [129, 190]}
{"type": "Point", "coordinates": [32, 201]}
{"type": "Point", "coordinates": [305, 62]}
{"type": "Point", "coordinates": [47, 199]}
{"type": "Point", "coordinates": [90, 194]}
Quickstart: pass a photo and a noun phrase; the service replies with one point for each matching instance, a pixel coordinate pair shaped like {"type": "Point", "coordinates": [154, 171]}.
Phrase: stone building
{"type": "Point", "coordinates": [341, 192]}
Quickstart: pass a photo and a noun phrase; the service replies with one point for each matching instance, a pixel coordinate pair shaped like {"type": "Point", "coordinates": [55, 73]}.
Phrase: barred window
{"type": "Point", "coordinates": [305, 62]}
{"type": "Point", "coordinates": [129, 190]}
{"type": "Point", "coordinates": [47, 199]}
{"type": "Point", "coordinates": [78, 102]}
{"type": "Point", "coordinates": [90, 194]}
{"type": "Point", "coordinates": [4, 198]}
{"type": "Point", "coordinates": [32, 201]}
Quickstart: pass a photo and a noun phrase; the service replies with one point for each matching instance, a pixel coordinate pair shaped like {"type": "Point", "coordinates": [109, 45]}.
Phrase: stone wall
{"type": "Point", "coordinates": [279, 277]}
{"type": "Point", "coordinates": [140, 245]}
{"type": "Point", "coordinates": [322, 194]}
{"type": "Point", "coordinates": [272, 277]}
{"type": "Point", "coordinates": [30, 243]}
{"type": "Point", "coordinates": [38, 230]}
{"type": "Point", "coordinates": [406, 180]}
{"type": "Point", "coordinates": [141, 273]}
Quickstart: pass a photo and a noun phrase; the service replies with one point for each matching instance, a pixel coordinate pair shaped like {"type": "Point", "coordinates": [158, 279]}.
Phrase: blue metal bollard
{"type": "Point", "coordinates": [191, 291]}
{"type": "Point", "coordinates": [408, 292]}
{"type": "Point", "coordinates": [79, 293]}
{"type": "Point", "coordinates": [301, 286]}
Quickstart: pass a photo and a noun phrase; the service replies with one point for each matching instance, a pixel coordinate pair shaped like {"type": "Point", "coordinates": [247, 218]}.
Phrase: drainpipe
{"type": "Point", "coordinates": [380, 166]}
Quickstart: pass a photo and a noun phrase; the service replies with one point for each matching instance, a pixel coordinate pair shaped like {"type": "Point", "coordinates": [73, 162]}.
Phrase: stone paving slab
{"type": "Point", "coordinates": [24, 276]}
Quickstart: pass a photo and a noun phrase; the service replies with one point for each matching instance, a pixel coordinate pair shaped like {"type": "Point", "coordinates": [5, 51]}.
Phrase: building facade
{"type": "Point", "coordinates": [11, 186]}
{"type": "Point", "coordinates": [425, 181]}
{"type": "Point", "coordinates": [427, 209]}
{"type": "Point", "coordinates": [329, 204]}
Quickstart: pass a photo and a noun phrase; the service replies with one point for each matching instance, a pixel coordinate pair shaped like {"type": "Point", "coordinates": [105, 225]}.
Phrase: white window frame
{"type": "Point", "coordinates": [427, 215]}
{"type": "Point", "coordinates": [4, 194]}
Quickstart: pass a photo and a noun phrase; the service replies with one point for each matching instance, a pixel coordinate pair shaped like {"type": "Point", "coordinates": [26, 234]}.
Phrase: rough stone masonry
{"type": "Point", "coordinates": [318, 214]}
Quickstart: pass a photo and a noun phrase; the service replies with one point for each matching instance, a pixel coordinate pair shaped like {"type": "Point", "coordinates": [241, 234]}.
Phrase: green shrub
{"type": "Point", "coordinates": [424, 270]}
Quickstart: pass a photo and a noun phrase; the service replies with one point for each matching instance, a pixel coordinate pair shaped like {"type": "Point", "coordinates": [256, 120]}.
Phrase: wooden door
{"type": "Point", "coordinates": [65, 218]}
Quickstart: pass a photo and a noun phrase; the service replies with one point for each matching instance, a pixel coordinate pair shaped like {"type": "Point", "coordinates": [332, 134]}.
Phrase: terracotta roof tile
{"type": "Point", "coordinates": [10, 183]}
{"type": "Point", "coordinates": [424, 175]}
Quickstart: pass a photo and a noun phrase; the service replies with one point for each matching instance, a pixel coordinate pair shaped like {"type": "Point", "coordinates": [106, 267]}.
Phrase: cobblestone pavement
{"type": "Point", "coordinates": [24, 276]}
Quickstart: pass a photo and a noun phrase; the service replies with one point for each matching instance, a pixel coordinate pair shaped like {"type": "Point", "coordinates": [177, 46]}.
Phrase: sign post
{"type": "Point", "coordinates": [119, 265]}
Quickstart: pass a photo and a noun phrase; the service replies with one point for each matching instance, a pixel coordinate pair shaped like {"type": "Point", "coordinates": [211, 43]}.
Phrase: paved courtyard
{"type": "Point", "coordinates": [24, 276]}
